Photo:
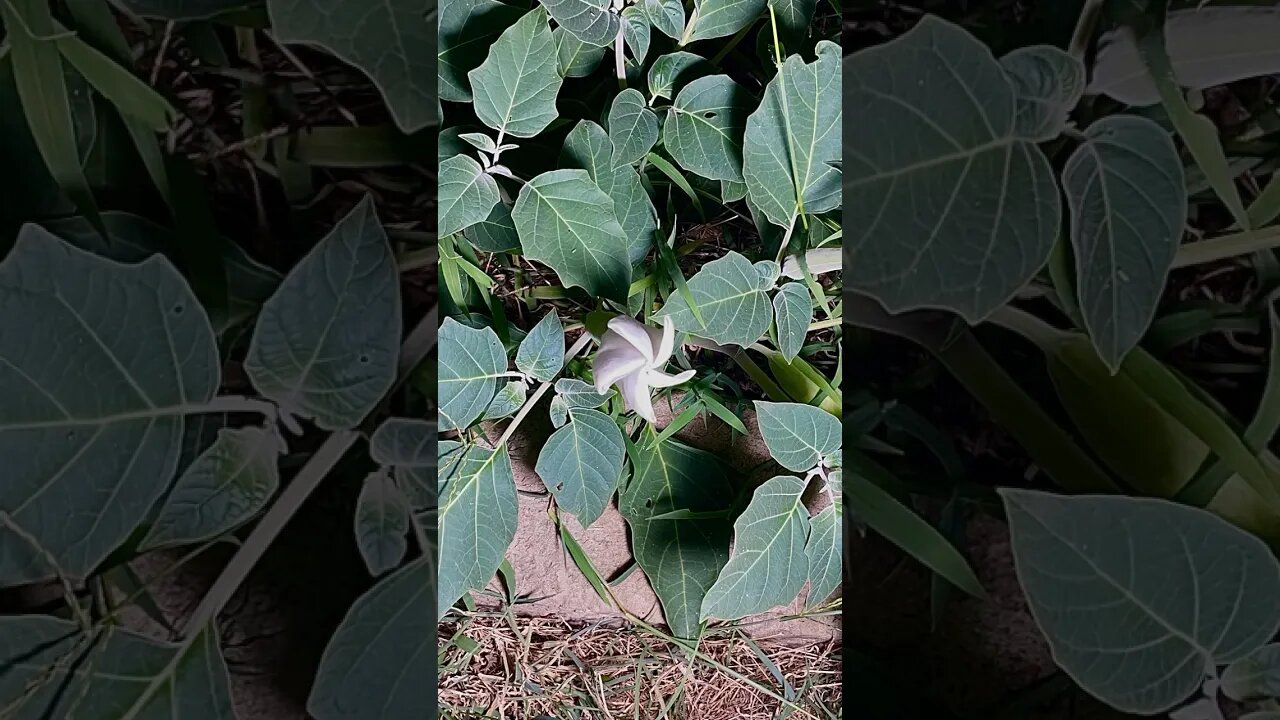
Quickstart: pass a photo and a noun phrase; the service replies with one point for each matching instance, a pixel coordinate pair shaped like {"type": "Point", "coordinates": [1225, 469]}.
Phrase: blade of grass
{"type": "Point", "coordinates": [130, 95]}
{"type": "Point", "coordinates": [1227, 246]}
{"type": "Point", "coordinates": [668, 258]}
{"type": "Point", "coordinates": [678, 178]}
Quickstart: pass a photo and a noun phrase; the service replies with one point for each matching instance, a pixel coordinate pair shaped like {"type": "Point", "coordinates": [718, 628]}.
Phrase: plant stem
{"type": "Point", "coordinates": [240, 404]}
{"type": "Point", "coordinates": [527, 407]}
{"type": "Point", "coordinates": [1087, 23]}
{"type": "Point", "coordinates": [1227, 246]}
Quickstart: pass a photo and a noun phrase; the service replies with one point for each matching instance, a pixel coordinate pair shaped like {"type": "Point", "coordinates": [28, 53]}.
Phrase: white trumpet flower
{"type": "Point", "coordinates": [633, 356]}
{"type": "Point", "coordinates": [819, 260]}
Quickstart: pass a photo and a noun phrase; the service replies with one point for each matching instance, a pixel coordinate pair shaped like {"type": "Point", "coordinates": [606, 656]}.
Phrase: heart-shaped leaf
{"type": "Point", "coordinates": [581, 464]}
{"type": "Point", "coordinates": [704, 131]}
{"type": "Point", "coordinates": [732, 297]}
{"type": "Point", "coordinates": [633, 128]}
{"type": "Point", "coordinates": [515, 87]}
{"type": "Point", "coordinates": [1048, 83]}
{"type": "Point", "coordinates": [798, 436]}
{"type": "Point", "coordinates": [466, 194]}
{"type": "Point", "coordinates": [381, 523]}
{"type": "Point", "coordinates": [470, 363]}
{"type": "Point", "coordinates": [541, 353]}
{"type": "Point", "coordinates": [792, 311]}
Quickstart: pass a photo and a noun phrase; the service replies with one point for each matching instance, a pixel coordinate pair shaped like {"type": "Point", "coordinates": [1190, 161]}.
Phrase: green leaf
{"type": "Point", "coordinates": [1254, 677]}
{"type": "Point", "coordinates": [825, 547]}
{"type": "Point", "coordinates": [792, 311]}
{"type": "Point", "coordinates": [222, 489]}
{"type": "Point", "coordinates": [574, 393]}
{"type": "Point", "coordinates": [798, 436]}
{"type": "Point", "coordinates": [705, 129]}
{"type": "Point", "coordinates": [566, 221]}
{"type": "Point", "coordinates": [588, 147]}
{"type": "Point", "coordinates": [496, 233]}
{"type": "Point", "coordinates": [470, 363]}
{"type": "Point", "coordinates": [409, 446]}
{"type": "Point", "coordinates": [130, 95]}
{"type": "Point", "coordinates": [467, 194]}
{"type": "Point", "coordinates": [792, 143]}
{"type": "Point", "coordinates": [477, 520]}
{"type": "Point", "coordinates": [667, 16]}
{"type": "Point", "coordinates": [327, 342]}
{"type": "Point", "coordinates": [1048, 83]}
{"type": "Point", "coordinates": [941, 159]}
{"type": "Point", "coordinates": [185, 9]}
{"type": "Point", "coordinates": [769, 565]}
{"type": "Point", "coordinates": [392, 43]}
{"type": "Point", "coordinates": [633, 128]}
{"type": "Point", "coordinates": [574, 57]}
{"type": "Point", "coordinates": [718, 18]}
{"type": "Point", "coordinates": [541, 353]}
{"type": "Point", "coordinates": [515, 87]}
{"type": "Point", "coordinates": [95, 393]}
{"type": "Point", "coordinates": [589, 20]}
{"type": "Point", "coordinates": [50, 672]}
{"type": "Point", "coordinates": [680, 558]}
{"type": "Point", "coordinates": [670, 73]}
{"type": "Point", "coordinates": [1133, 594]}
{"type": "Point", "coordinates": [581, 464]}
{"type": "Point", "coordinates": [381, 523]}
{"type": "Point", "coordinates": [732, 298]}
{"type": "Point", "coordinates": [635, 31]}
{"type": "Point", "coordinates": [794, 18]}
{"type": "Point", "coordinates": [383, 654]}
{"type": "Point", "coordinates": [1127, 203]}
{"type": "Point", "coordinates": [507, 401]}
{"type": "Point", "coordinates": [467, 29]}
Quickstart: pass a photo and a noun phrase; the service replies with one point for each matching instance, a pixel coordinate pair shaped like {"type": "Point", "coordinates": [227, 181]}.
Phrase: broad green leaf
{"type": "Point", "coordinates": [733, 299]}
{"type": "Point", "coordinates": [409, 446]}
{"type": "Point", "coordinates": [633, 128]}
{"type": "Point", "coordinates": [704, 131]}
{"type": "Point", "coordinates": [507, 401]}
{"type": "Point", "coordinates": [1133, 594]}
{"type": "Point", "coordinates": [680, 558]}
{"type": "Point", "coordinates": [496, 233]}
{"type": "Point", "coordinates": [393, 43]}
{"type": "Point", "coordinates": [477, 520]}
{"type": "Point", "coordinates": [949, 205]}
{"type": "Point", "coordinates": [792, 142]}
{"type": "Point", "coordinates": [185, 9]}
{"type": "Point", "coordinates": [515, 87]}
{"type": "Point", "coordinates": [666, 15]}
{"type": "Point", "coordinates": [567, 222]}
{"type": "Point", "coordinates": [798, 436]}
{"type": "Point", "coordinates": [825, 547]}
{"type": "Point", "coordinates": [467, 194]}
{"type": "Point", "coordinates": [589, 20]}
{"type": "Point", "coordinates": [99, 362]}
{"type": "Point", "coordinates": [574, 57]}
{"type": "Point", "coordinates": [381, 663]}
{"type": "Point", "coordinates": [769, 565]}
{"type": "Point", "coordinates": [1207, 47]}
{"type": "Point", "coordinates": [670, 73]}
{"type": "Point", "coordinates": [470, 362]}
{"type": "Point", "coordinates": [222, 489]}
{"type": "Point", "coordinates": [327, 342]}
{"type": "Point", "coordinates": [581, 464]}
{"type": "Point", "coordinates": [635, 31]}
{"type": "Point", "coordinates": [573, 393]}
{"type": "Point", "coordinates": [794, 17]}
{"type": "Point", "coordinates": [1048, 83]}
{"type": "Point", "coordinates": [718, 18]}
{"type": "Point", "coordinates": [52, 672]}
{"type": "Point", "coordinates": [467, 29]}
{"type": "Point", "coordinates": [381, 523]}
{"type": "Point", "coordinates": [541, 353]}
{"type": "Point", "coordinates": [792, 311]}
{"type": "Point", "coordinates": [1127, 204]}
{"type": "Point", "coordinates": [1254, 677]}
{"type": "Point", "coordinates": [588, 147]}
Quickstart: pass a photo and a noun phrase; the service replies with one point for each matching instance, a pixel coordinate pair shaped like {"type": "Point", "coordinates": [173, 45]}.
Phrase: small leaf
{"type": "Point", "coordinates": [792, 311]}
{"type": "Point", "coordinates": [1048, 83]}
{"type": "Point", "coordinates": [573, 393]}
{"type": "Point", "coordinates": [581, 464]}
{"type": "Point", "coordinates": [515, 87]}
{"type": "Point", "coordinates": [1254, 677]}
{"type": "Point", "coordinates": [382, 522]}
{"type": "Point", "coordinates": [670, 73]}
{"type": "Point", "coordinates": [732, 299]}
{"type": "Point", "coordinates": [467, 194]}
{"type": "Point", "coordinates": [635, 31]}
{"type": "Point", "coordinates": [798, 436]}
{"type": "Point", "coordinates": [566, 221]}
{"type": "Point", "coordinates": [541, 353]}
{"type": "Point", "coordinates": [769, 565]}
{"type": "Point", "coordinates": [574, 57]}
{"type": "Point", "coordinates": [477, 520]}
{"type": "Point", "coordinates": [409, 446]}
{"type": "Point", "coordinates": [470, 362]}
{"type": "Point", "coordinates": [224, 488]}
{"type": "Point", "coordinates": [589, 20]}
{"type": "Point", "coordinates": [704, 132]}
{"type": "Point", "coordinates": [718, 18]}
{"type": "Point", "coordinates": [1133, 595]}
{"type": "Point", "coordinates": [508, 400]}
{"type": "Point", "coordinates": [327, 342]}
{"type": "Point", "coordinates": [1128, 204]}
{"type": "Point", "coordinates": [667, 16]}
{"type": "Point", "coordinates": [480, 141]}
{"type": "Point", "coordinates": [633, 128]}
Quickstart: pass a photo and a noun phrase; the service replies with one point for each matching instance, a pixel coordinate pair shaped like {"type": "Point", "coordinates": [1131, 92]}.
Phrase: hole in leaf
{"type": "Point", "coordinates": [179, 309]}
{"type": "Point", "coordinates": [709, 114]}
{"type": "Point", "coordinates": [364, 359]}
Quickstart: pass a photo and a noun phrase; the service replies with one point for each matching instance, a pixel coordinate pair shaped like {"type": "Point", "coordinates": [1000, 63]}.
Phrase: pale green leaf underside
{"type": "Point", "coordinates": [581, 464]}
{"type": "Point", "coordinates": [792, 311]}
{"type": "Point", "coordinates": [732, 298]}
{"type": "Point", "coordinates": [1138, 596]}
{"type": "Point", "coordinates": [541, 353]}
{"type": "Point", "coordinates": [769, 565]}
{"type": "Point", "coordinates": [466, 194]}
{"type": "Point", "coordinates": [381, 523]}
{"type": "Point", "coordinates": [589, 20]}
{"type": "Point", "coordinates": [718, 18]}
{"type": "Point", "coordinates": [223, 488]}
{"type": "Point", "coordinates": [470, 361]}
{"type": "Point", "coordinates": [477, 520]}
{"type": "Point", "coordinates": [680, 558]}
{"type": "Point", "coordinates": [1127, 203]}
{"type": "Point", "coordinates": [99, 362]}
{"type": "Point", "coordinates": [704, 131]}
{"type": "Point", "coordinates": [567, 222]}
{"type": "Point", "coordinates": [394, 43]}
{"type": "Point", "coordinates": [1048, 83]}
{"type": "Point", "coordinates": [383, 654]}
{"type": "Point", "coordinates": [588, 147]}
{"type": "Point", "coordinates": [122, 675]}
{"type": "Point", "coordinates": [466, 30]}
{"type": "Point", "coordinates": [797, 435]}
{"type": "Point", "coordinates": [515, 88]}
{"type": "Point", "coordinates": [948, 205]}
{"type": "Point", "coordinates": [326, 344]}
{"type": "Point", "coordinates": [633, 128]}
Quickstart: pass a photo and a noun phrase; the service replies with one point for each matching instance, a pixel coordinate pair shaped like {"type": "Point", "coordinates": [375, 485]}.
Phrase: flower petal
{"type": "Point", "coordinates": [668, 342]}
{"type": "Point", "coordinates": [636, 395]}
{"type": "Point", "coordinates": [657, 378]}
{"type": "Point", "coordinates": [633, 332]}
{"type": "Point", "coordinates": [819, 260]}
{"type": "Point", "coordinates": [613, 363]}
